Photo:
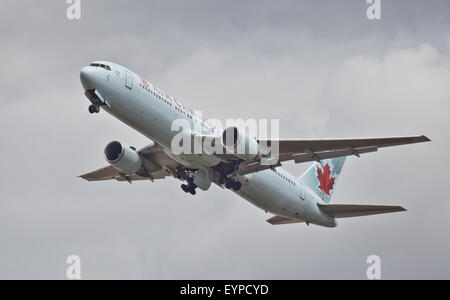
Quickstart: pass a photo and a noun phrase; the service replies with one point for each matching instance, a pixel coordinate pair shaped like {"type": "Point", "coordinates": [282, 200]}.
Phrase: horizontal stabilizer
{"type": "Point", "coordinates": [349, 211]}
{"type": "Point", "coordinates": [278, 220]}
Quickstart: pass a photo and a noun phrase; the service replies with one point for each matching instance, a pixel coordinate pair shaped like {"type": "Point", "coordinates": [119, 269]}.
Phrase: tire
{"type": "Point", "coordinates": [229, 184]}
{"type": "Point", "coordinates": [185, 188]}
{"type": "Point", "coordinates": [92, 109]}
{"type": "Point", "coordinates": [237, 186]}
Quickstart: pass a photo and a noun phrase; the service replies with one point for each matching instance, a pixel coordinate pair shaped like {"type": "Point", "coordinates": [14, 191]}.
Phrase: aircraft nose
{"type": "Point", "coordinates": [87, 77]}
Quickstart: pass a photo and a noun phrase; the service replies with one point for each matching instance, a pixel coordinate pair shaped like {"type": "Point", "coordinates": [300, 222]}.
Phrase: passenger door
{"type": "Point", "coordinates": [128, 80]}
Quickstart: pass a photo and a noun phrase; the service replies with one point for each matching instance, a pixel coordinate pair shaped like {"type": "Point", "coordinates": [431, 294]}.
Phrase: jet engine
{"type": "Point", "coordinates": [202, 181]}
{"type": "Point", "coordinates": [239, 143]}
{"type": "Point", "coordinates": [123, 157]}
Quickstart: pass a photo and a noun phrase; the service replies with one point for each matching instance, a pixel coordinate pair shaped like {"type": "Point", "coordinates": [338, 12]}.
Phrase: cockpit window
{"type": "Point", "coordinates": [101, 66]}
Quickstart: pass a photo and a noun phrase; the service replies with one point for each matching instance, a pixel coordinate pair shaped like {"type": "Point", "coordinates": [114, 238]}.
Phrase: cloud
{"type": "Point", "coordinates": [322, 68]}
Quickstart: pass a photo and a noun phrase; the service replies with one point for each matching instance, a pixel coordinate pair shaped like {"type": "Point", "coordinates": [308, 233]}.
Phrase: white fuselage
{"type": "Point", "coordinates": [151, 112]}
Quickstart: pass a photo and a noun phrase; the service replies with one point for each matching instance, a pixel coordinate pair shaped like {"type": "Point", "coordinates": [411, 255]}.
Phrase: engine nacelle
{"type": "Point", "coordinates": [202, 181]}
{"type": "Point", "coordinates": [123, 157]}
{"type": "Point", "coordinates": [239, 143]}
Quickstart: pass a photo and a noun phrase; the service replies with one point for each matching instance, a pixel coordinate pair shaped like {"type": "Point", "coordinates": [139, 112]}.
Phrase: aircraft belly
{"type": "Point", "coordinates": [200, 161]}
{"type": "Point", "coordinates": [270, 193]}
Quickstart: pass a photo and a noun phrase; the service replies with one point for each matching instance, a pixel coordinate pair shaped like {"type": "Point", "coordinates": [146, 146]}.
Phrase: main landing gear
{"type": "Point", "coordinates": [190, 187]}
{"type": "Point", "coordinates": [94, 109]}
{"type": "Point", "coordinates": [230, 183]}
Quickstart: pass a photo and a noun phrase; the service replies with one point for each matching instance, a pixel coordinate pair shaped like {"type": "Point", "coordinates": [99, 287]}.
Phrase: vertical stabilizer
{"type": "Point", "coordinates": [322, 177]}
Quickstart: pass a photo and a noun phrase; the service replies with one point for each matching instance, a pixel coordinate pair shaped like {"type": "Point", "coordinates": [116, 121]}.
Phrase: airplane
{"type": "Point", "coordinates": [149, 110]}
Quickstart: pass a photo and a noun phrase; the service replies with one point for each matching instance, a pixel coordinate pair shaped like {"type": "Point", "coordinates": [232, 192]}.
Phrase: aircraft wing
{"type": "Point", "coordinates": [349, 210]}
{"type": "Point", "coordinates": [155, 160]}
{"type": "Point", "coordinates": [279, 220]}
{"type": "Point", "coordinates": [110, 172]}
{"type": "Point", "coordinates": [315, 150]}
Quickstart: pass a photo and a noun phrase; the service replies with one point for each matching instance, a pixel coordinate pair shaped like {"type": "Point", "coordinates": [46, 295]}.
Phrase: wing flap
{"type": "Point", "coordinates": [105, 173]}
{"type": "Point", "coordinates": [316, 150]}
{"type": "Point", "coordinates": [110, 173]}
{"type": "Point", "coordinates": [350, 210]}
{"type": "Point", "coordinates": [310, 156]}
{"type": "Point", "coordinates": [253, 167]}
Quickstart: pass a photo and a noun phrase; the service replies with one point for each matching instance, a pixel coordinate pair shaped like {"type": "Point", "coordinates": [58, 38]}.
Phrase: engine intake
{"type": "Point", "coordinates": [239, 143]}
{"type": "Point", "coordinates": [123, 157]}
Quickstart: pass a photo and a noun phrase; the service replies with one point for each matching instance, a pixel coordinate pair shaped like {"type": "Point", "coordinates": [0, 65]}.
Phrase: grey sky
{"type": "Point", "coordinates": [321, 67]}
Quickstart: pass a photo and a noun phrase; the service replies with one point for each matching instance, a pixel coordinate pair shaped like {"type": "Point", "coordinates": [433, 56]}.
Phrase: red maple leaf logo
{"type": "Point", "coordinates": [325, 179]}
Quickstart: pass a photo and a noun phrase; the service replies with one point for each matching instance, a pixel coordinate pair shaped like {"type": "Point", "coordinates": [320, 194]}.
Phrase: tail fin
{"type": "Point", "coordinates": [322, 177]}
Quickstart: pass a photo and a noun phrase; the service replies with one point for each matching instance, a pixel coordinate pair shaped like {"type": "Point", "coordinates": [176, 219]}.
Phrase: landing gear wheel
{"type": "Point", "coordinates": [189, 188]}
{"type": "Point", "coordinates": [237, 186]}
{"type": "Point", "coordinates": [94, 109]}
{"type": "Point", "coordinates": [185, 188]}
{"type": "Point", "coordinates": [229, 184]}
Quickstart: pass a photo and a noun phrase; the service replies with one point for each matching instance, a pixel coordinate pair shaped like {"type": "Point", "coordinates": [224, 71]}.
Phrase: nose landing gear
{"type": "Point", "coordinates": [94, 109]}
